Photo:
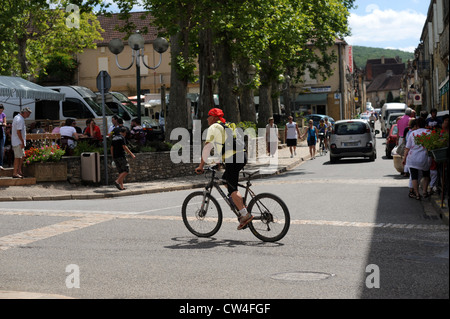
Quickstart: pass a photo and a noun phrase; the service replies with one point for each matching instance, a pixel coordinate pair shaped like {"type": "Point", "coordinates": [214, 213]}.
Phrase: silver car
{"type": "Point", "coordinates": [352, 138]}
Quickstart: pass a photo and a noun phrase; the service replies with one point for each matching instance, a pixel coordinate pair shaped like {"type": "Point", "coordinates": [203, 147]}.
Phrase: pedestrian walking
{"type": "Point", "coordinates": [271, 137]}
{"type": "Point", "coordinates": [291, 134]}
{"type": "Point", "coordinates": [118, 152]}
{"type": "Point", "coordinates": [311, 132]}
{"type": "Point", "coordinates": [2, 134]}
{"type": "Point", "coordinates": [18, 140]}
{"type": "Point", "coordinates": [417, 159]}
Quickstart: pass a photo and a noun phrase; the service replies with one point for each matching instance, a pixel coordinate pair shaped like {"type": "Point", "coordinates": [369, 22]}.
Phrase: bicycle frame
{"type": "Point", "coordinates": [214, 184]}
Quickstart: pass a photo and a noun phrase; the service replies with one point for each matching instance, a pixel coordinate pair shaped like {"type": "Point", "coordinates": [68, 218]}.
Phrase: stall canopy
{"type": "Point", "coordinates": [15, 87]}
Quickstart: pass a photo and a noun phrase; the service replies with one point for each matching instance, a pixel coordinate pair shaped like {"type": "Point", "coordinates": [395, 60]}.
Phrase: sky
{"type": "Point", "coordinates": [388, 24]}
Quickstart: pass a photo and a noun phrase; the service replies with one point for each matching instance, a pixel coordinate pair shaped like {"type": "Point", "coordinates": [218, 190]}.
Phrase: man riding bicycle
{"type": "Point", "coordinates": [215, 139]}
{"type": "Point", "coordinates": [323, 128]}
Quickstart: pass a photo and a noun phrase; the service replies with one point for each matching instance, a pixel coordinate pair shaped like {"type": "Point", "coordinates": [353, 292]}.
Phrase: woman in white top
{"type": "Point", "coordinates": [417, 159]}
{"type": "Point", "coordinates": [271, 137]}
{"type": "Point", "coordinates": [69, 131]}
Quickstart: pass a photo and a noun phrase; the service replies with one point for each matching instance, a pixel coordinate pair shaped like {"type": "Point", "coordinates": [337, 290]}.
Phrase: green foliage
{"type": "Point", "coordinates": [32, 33]}
{"type": "Point", "coordinates": [86, 147]}
{"type": "Point", "coordinates": [362, 54]}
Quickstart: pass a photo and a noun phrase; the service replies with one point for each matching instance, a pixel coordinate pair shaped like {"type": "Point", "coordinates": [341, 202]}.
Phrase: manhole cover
{"type": "Point", "coordinates": [302, 276]}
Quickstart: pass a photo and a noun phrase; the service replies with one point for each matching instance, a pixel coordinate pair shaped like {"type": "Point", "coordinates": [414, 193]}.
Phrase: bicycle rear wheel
{"type": "Point", "coordinates": [202, 222]}
{"type": "Point", "coordinates": [271, 217]}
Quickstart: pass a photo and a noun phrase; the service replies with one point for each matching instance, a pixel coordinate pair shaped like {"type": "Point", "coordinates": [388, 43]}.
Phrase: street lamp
{"type": "Point", "coordinates": [251, 72]}
{"type": "Point", "coordinates": [136, 42]}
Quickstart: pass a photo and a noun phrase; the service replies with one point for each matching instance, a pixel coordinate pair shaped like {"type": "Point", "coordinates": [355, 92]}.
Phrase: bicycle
{"type": "Point", "coordinates": [202, 214]}
{"type": "Point", "coordinates": [322, 149]}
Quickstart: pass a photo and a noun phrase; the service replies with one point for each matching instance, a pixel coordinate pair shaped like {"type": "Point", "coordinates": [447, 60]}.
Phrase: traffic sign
{"type": "Point", "coordinates": [103, 81]}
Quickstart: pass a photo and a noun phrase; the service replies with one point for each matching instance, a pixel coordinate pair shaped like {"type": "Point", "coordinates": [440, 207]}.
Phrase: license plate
{"type": "Point", "coordinates": [351, 144]}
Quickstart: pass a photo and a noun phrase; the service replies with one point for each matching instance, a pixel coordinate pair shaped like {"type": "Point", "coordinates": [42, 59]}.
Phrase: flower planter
{"type": "Point", "coordinates": [47, 172]}
{"type": "Point", "coordinates": [440, 154]}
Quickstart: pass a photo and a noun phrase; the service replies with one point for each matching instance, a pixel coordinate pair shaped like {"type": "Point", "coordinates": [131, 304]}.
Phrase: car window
{"type": "Point", "coordinates": [395, 130]}
{"type": "Point", "coordinates": [350, 128]}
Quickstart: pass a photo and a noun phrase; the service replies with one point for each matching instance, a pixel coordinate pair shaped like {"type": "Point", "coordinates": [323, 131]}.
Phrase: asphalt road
{"type": "Point", "coordinates": [354, 234]}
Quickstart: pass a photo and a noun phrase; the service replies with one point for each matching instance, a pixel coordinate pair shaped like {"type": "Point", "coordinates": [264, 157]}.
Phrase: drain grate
{"type": "Point", "coordinates": [302, 276]}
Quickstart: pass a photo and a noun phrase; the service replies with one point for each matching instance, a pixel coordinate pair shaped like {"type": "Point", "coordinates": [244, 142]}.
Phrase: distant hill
{"type": "Point", "coordinates": [362, 54]}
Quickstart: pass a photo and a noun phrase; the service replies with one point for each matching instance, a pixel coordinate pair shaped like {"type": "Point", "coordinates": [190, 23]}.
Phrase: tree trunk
{"type": "Point", "coordinates": [265, 95]}
{"type": "Point", "coordinates": [22, 49]}
{"type": "Point", "coordinates": [178, 112]}
{"type": "Point", "coordinates": [227, 96]}
{"type": "Point", "coordinates": [247, 101]}
{"type": "Point", "coordinates": [205, 62]}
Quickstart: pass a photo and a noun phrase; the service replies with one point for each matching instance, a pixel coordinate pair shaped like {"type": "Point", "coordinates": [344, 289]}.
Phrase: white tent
{"type": "Point", "coordinates": [18, 88]}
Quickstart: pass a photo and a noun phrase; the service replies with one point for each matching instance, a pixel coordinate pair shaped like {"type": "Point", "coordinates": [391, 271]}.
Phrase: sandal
{"type": "Point", "coordinates": [418, 197]}
{"type": "Point", "coordinates": [411, 194]}
{"type": "Point", "coordinates": [426, 195]}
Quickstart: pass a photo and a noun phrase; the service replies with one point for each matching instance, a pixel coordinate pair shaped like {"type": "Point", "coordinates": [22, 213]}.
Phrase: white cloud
{"type": "Point", "coordinates": [381, 26]}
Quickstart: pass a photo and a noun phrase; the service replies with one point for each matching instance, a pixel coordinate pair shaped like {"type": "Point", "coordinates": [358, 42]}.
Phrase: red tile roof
{"type": "Point", "coordinates": [141, 20]}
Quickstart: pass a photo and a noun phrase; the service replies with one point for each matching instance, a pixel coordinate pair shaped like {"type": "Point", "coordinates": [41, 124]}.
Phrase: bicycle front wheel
{"type": "Point", "coordinates": [271, 217]}
{"type": "Point", "coordinates": [201, 214]}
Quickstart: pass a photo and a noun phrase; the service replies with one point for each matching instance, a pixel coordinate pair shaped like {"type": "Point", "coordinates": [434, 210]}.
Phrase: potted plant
{"type": "Point", "coordinates": [436, 144]}
{"type": "Point", "coordinates": [44, 163]}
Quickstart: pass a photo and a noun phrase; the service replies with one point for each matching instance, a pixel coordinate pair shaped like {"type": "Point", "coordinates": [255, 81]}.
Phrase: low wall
{"type": "Point", "coordinates": [149, 166]}
{"type": "Point", "coordinates": [145, 167]}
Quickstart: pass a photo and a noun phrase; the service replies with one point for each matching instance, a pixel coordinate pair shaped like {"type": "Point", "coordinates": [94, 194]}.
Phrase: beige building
{"type": "Point", "coordinates": [432, 58]}
{"type": "Point", "coordinates": [334, 96]}
{"type": "Point", "coordinates": [92, 61]}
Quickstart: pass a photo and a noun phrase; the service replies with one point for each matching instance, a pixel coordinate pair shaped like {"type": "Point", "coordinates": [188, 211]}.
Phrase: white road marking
{"type": "Point", "coordinates": [84, 219]}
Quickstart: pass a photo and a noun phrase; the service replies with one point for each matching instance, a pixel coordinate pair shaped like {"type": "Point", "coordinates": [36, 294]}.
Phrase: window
{"type": "Point", "coordinates": [74, 108]}
{"type": "Point", "coordinates": [350, 128]}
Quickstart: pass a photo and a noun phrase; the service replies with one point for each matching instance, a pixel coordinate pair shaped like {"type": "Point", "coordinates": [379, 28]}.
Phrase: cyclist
{"type": "Point", "coordinates": [329, 130]}
{"type": "Point", "coordinates": [215, 139]}
{"type": "Point", "coordinates": [323, 128]}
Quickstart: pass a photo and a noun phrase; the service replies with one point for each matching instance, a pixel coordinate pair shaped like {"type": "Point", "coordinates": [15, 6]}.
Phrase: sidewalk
{"type": "Point", "coordinates": [66, 191]}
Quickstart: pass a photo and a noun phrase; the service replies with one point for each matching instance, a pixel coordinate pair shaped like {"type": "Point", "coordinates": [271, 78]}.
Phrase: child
{"type": "Point", "coordinates": [118, 149]}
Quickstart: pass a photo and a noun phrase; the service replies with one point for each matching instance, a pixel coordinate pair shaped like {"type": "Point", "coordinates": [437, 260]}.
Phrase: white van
{"type": "Point", "coordinates": [387, 109]}
{"type": "Point", "coordinates": [78, 104]}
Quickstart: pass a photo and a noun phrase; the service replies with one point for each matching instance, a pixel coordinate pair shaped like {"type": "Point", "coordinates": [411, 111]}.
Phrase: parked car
{"type": "Point", "coordinates": [391, 140]}
{"type": "Point", "coordinates": [392, 119]}
{"type": "Point", "coordinates": [317, 117]}
{"type": "Point", "coordinates": [352, 138]}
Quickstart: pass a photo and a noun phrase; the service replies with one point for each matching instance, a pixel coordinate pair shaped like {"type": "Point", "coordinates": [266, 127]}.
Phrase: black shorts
{"type": "Point", "coordinates": [291, 142]}
{"type": "Point", "coordinates": [415, 173]}
{"type": "Point", "coordinates": [122, 164]}
{"type": "Point", "coordinates": [231, 174]}
{"type": "Point", "coordinates": [312, 142]}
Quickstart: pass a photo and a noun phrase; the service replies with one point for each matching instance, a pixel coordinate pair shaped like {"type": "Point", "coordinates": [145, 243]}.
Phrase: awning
{"type": "Point", "coordinates": [312, 99]}
{"type": "Point", "coordinates": [11, 86]}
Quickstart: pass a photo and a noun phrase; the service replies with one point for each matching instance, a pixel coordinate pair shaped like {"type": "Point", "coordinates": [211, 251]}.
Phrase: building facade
{"type": "Point", "coordinates": [431, 64]}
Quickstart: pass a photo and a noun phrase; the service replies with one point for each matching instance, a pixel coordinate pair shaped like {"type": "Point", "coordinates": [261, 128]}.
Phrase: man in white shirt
{"type": "Point", "coordinates": [18, 140]}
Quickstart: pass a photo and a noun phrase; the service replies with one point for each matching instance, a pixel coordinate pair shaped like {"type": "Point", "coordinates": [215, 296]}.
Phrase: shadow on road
{"type": "Point", "coordinates": [208, 243]}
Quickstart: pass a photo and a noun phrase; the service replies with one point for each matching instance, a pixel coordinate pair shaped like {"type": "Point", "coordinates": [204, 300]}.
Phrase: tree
{"type": "Point", "coordinates": [32, 31]}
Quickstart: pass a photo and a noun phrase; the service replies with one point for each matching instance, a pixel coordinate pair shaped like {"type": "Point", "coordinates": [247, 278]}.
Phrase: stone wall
{"type": "Point", "coordinates": [148, 166]}
{"type": "Point", "coordinates": [145, 167]}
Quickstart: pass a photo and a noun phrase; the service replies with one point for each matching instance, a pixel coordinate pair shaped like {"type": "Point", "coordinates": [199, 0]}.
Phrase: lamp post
{"type": "Point", "coordinates": [136, 42]}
